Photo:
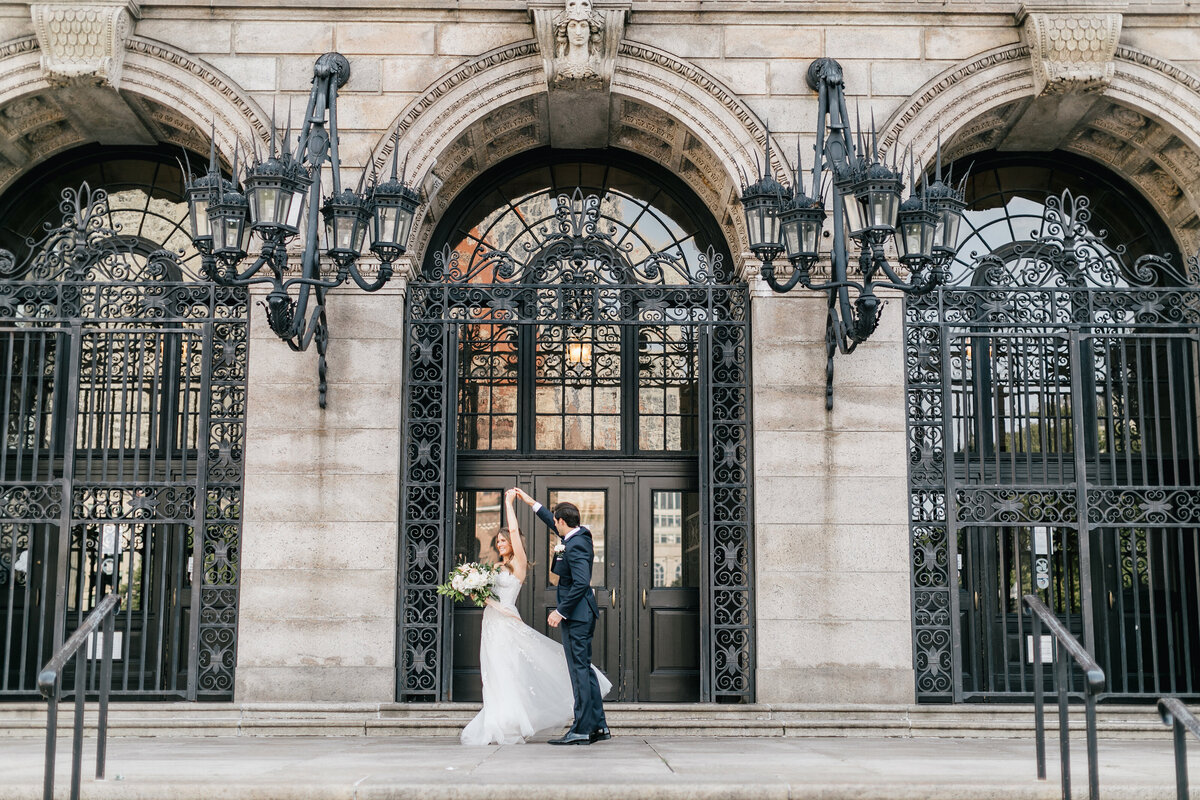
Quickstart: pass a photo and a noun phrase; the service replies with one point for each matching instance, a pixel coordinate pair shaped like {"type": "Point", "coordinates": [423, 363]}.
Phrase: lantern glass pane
{"type": "Point", "coordinates": [854, 214]}
{"type": "Point", "coordinates": [947, 233]}
{"type": "Point", "coordinates": [884, 207]}
{"type": "Point", "coordinates": [791, 238]}
{"type": "Point", "coordinates": [810, 236]}
{"type": "Point", "coordinates": [386, 224]}
{"type": "Point", "coordinates": [404, 221]}
{"type": "Point", "coordinates": [263, 205]}
{"type": "Point", "coordinates": [199, 214]}
{"type": "Point", "coordinates": [910, 238]}
{"type": "Point", "coordinates": [295, 209]}
{"type": "Point", "coordinates": [360, 232]}
{"type": "Point", "coordinates": [229, 229]}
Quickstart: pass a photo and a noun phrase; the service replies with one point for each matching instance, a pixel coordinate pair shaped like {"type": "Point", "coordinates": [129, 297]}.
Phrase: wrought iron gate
{"type": "Point", "coordinates": [577, 280]}
{"type": "Point", "coordinates": [1052, 400]}
{"type": "Point", "coordinates": [123, 406]}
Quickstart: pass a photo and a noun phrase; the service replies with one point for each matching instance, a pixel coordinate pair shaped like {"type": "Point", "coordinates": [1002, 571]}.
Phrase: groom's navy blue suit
{"type": "Point", "coordinates": [577, 605]}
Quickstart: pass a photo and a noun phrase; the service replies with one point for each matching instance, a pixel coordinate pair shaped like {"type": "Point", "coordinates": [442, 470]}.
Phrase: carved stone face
{"type": "Point", "coordinates": [578, 33]}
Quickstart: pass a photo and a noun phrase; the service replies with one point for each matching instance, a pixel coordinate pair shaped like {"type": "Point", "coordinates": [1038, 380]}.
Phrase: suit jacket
{"type": "Point", "coordinates": [576, 600]}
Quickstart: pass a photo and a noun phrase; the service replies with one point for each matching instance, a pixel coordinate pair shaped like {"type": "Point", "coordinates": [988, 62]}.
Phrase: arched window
{"type": "Point", "coordinates": [125, 380]}
{"type": "Point", "coordinates": [146, 209]}
{"type": "Point", "coordinates": [597, 384]}
{"type": "Point", "coordinates": [1053, 435]}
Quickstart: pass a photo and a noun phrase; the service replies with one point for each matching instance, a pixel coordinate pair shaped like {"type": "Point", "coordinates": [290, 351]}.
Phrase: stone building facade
{"type": "Point", "coordinates": [469, 86]}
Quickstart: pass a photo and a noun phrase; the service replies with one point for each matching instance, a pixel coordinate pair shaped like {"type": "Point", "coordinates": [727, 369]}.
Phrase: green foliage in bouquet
{"type": "Point", "coordinates": [475, 582]}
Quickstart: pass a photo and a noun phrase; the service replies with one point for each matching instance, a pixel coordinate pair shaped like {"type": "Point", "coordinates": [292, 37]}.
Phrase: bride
{"type": "Point", "coordinates": [526, 687]}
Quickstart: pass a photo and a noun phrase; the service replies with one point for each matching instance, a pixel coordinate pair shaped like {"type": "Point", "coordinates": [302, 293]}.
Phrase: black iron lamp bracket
{"type": "Point", "coordinates": [279, 198]}
{"type": "Point", "coordinates": [864, 197]}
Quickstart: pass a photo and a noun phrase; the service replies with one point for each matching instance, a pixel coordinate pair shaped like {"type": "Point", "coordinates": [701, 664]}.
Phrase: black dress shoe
{"type": "Point", "coordinates": [572, 738]}
{"type": "Point", "coordinates": [601, 735]}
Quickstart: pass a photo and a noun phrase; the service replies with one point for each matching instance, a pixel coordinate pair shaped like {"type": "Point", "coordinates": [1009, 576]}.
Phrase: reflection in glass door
{"type": "Point", "coordinates": [668, 613]}
{"type": "Point", "coordinates": [599, 510]}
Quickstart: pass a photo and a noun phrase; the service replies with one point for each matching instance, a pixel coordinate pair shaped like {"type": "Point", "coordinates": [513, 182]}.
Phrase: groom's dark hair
{"type": "Point", "coordinates": [568, 513]}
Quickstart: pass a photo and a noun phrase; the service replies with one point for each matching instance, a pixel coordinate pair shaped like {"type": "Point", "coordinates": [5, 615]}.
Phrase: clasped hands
{"type": "Point", "coordinates": [554, 618]}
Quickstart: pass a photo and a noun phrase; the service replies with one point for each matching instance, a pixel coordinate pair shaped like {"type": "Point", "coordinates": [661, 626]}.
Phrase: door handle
{"type": "Point", "coordinates": [613, 599]}
{"type": "Point", "coordinates": [643, 598]}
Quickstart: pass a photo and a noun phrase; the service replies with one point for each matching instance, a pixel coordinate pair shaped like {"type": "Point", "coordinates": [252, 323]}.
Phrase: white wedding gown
{"type": "Point", "coordinates": [526, 687]}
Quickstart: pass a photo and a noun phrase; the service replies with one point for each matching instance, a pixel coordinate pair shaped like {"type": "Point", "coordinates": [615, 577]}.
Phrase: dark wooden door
{"type": "Point", "coordinates": [600, 502]}
{"type": "Point", "coordinates": [667, 643]}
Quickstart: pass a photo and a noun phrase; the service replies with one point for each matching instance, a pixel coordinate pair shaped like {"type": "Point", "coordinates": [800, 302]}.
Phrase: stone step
{"type": "Point", "coordinates": [629, 719]}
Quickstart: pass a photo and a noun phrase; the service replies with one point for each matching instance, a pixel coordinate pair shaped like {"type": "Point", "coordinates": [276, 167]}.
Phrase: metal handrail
{"type": "Point", "coordinates": [49, 685]}
{"type": "Point", "coordinates": [1176, 714]}
{"type": "Point", "coordinates": [1094, 677]}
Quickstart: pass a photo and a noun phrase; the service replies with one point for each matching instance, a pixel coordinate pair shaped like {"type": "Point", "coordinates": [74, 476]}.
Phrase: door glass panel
{"type": "Point", "coordinates": [487, 395]}
{"type": "Point", "coordinates": [676, 540]}
{"type": "Point", "coordinates": [593, 507]}
{"type": "Point", "coordinates": [667, 388]}
{"type": "Point", "coordinates": [476, 522]}
{"type": "Point", "coordinates": [578, 388]}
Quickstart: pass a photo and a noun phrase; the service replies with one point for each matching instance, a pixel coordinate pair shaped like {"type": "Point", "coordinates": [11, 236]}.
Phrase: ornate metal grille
{"type": "Point", "coordinates": [571, 280]}
{"type": "Point", "coordinates": [1052, 402]}
{"type": "Point", "coordinates": [123, 409]}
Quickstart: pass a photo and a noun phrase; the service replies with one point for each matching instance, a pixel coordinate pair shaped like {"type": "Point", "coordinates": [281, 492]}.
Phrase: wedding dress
{"type": "Point", "coordinates": [526, 687]}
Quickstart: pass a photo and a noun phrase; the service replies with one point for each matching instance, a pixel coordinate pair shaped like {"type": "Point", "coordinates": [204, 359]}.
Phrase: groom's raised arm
{"type": "Point", "coordinates": [544, 515]}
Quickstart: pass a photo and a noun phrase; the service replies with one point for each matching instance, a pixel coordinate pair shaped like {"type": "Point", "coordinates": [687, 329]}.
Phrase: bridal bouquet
{"type": "Point", "coordinates": [472, 582]}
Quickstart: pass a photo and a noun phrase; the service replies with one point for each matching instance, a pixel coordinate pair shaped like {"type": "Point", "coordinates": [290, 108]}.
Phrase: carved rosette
{"type": "Point", "coordinates": [84, 40]}
{"type": "Point", "coordinates": [1073, 46]}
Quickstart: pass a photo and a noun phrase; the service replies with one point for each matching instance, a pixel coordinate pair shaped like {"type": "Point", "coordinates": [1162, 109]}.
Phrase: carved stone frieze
{"type": "Point", "coordinates": [1073, 45]}
{"type": "Point", "coordinates": [84, 41]}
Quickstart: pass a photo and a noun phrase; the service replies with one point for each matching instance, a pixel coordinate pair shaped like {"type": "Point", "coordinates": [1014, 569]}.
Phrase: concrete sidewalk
{"type": "Point", "coordinates": [628, 767]}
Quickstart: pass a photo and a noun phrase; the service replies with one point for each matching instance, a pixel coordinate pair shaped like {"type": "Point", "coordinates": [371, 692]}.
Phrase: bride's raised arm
{"type": "Point", "coordinates": [520, 560]}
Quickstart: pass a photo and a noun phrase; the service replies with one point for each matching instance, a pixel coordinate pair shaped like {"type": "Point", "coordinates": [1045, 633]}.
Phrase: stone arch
{"type": "Point", "coordinates": [496, 106]}
{"type": "Point", "coordinates": [1145, 126]}
{"type": "Point", "coordinates": [173, 97]}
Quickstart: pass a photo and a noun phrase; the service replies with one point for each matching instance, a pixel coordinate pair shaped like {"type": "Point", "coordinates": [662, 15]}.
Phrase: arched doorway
{"type": "Point", "coordinates": [122, 407]}
{"type": "Point", "coordinates": [577, 331]}
{"type": "Point", "coordinates": [1053, 437]}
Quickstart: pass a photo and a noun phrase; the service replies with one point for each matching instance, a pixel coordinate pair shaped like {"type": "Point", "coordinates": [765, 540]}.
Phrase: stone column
{"type": "Point", "coordinates": [317, 618]}
{"type": "Point", "coordinates": [832, 594]}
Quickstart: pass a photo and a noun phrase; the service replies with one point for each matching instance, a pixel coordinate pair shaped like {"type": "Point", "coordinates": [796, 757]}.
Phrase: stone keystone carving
{"type": "Point", "coordinates": [579, 45]}
{"type": "Point", "coordinates": [1073, 44]}
{"type": "Point", "coordinates": [579, 42]}
{"type": "Point", "coordinates": [84, 40]}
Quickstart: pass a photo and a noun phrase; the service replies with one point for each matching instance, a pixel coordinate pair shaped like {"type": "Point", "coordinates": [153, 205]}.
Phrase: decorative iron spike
{"type": "Point", "coordinates": [287, 135]}
{"type": "Point", "coordinates": [799, 170]}
{"type": "Point", "coordinates": [396, 153]}
{"type": "Point", "coordinates": [213, 166]}
{"type": "Point", "coordinates": [272, 153]}
{"type": "Point", "coordinates": [767, 171]}
{"type": "Point", "coordinates": [938, 164]}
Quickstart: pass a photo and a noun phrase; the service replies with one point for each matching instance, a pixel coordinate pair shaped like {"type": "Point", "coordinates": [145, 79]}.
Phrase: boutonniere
{"type": "Point", "coordinates": [559, 549]}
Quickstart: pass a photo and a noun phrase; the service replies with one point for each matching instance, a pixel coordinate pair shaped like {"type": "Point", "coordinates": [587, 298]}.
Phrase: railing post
{"type": "Point", "coordinates": [51, 743]}
{"type": "Point", "coordinates": [1064, 725]}
{"type": "Point", "coordinates": [1039, 699]}
{"type": "Point", "coordinates": [105, 681]}
{"type": "Point", "coordinates": [1181, 770]}
{"type": "Point", "coordinates": [1092, 748]}
{"type": "Point", "coordinates": [77, 740]}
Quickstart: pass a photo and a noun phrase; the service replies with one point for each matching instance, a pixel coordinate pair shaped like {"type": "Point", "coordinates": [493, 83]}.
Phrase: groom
{"type": "Point", "coordinates": [575, 615]}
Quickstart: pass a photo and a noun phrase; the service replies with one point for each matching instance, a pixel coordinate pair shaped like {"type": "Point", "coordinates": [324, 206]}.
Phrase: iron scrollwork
{"type": "Point", "coordinates": [1061, 292]}
{"type": "Point", "coordinates": [118, 304]}
{"type": "Point", "coordinates": [577, 272]}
